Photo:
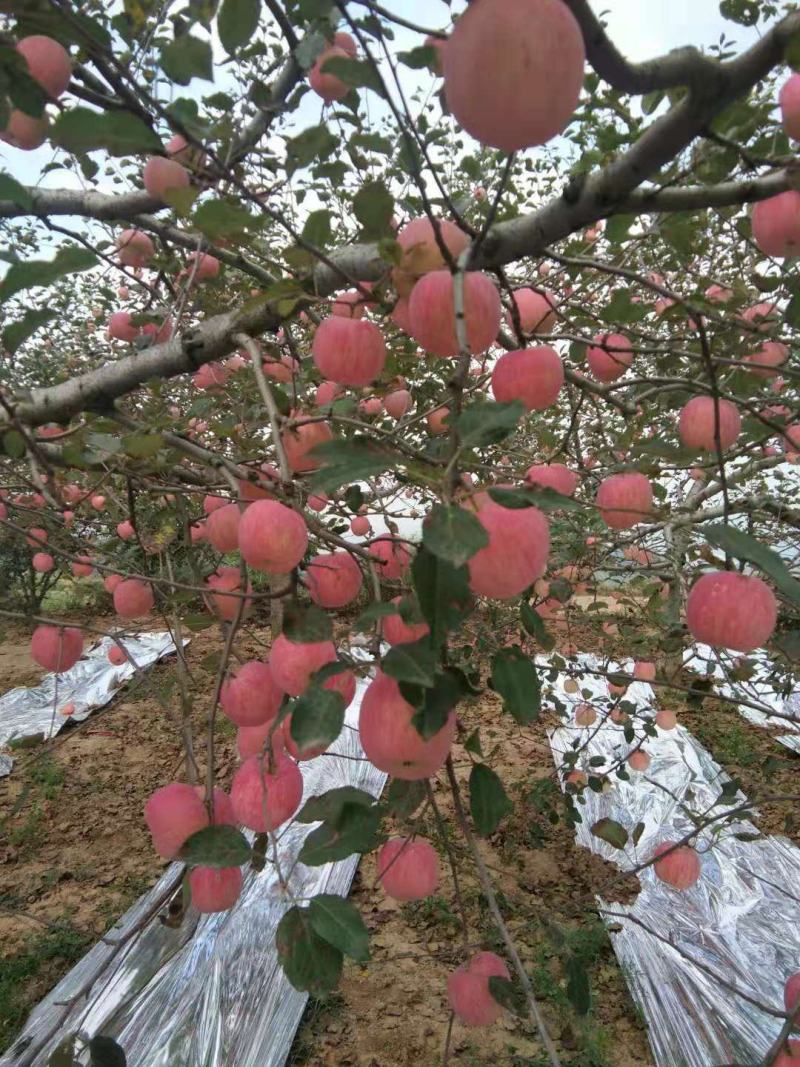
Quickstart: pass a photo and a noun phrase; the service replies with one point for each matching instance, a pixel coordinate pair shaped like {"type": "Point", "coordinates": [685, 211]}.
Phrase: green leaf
{"type": "Point", "coordinates": [17, 333]}
{"type": "Point", "coordinates": [187, 57]}
{"type": "Point", "coordinates": [370, 615]}
{"type": "Point", "coordinates": [222, 218]}
{"type": "Point", "coordinates": [339, 923]}
{"type": "Point", "coordinates": [317, 718]}
{"type": "Point", "coordinates": [621, 308]}
{"type": "Point", "coordinates": [743, 546]}
{"type": "Point", "coordinates": [453, 534]}
{"type": "Point", "coordinates": [507, 994]}
{"type": "Point", "coordinates": [488, 801]}
{"type": "Point", "coordinates": [613, 833]}
{"type": "Point", "coordinates": [485, 422]}
{"type": "Point", "coordinates": [306, 623]}
{"type": "Point", "coordinates": [330, 805]}
{"type": "Point", "coordinates": [546, 499]}
{"type": "Point", "coordinates": [578, 989]}
{"type": "Point", "coordinates": [216, 846]}
{"type": "Point", "coordinates": [10, 189]}
{"type": "Point", "coordinates": [311, 963]}
{"type": "Point", "coordinates": [515, 679]}
{"type": "Point", "coordinates": [63, 1055]}
{"type": "Point", "coordinates": [349, 461]}
{"type": "Point", "coordinates": [403, 798]}
{"type": "Point", "coordinates": [414, 662]}
{"type": "Point", "coordinates": [532, 621]}
{"type": "Point", "coordinates": [43, 272]}
{"type": "Point", "coordinates": [419, 58]}
{"type": "Point", "coordinates": [317, 142]}
{"type": "Point", "coordinates": [105, 1052]}
{"type": "Point", "coordinates": [317, 230]}
{"type": "Point", "coordinates": [142, 445]}
{"type": "Point", "coordinates": [355, 829]}
{"type": "Point", "coordinates": [373, 206]}
{"type": "Point", "coordinates": [473, 743]}
{"type": "Point", "coordinates": [119, 133]}
{"type": "Point", "coordinates": [358, 73]}
{"type": "Point", "coordinates": [443, 593]}
{"type": "Point", "coordinates": [237, 22]}
{"type": "Point", "coordinates": [437, 703]}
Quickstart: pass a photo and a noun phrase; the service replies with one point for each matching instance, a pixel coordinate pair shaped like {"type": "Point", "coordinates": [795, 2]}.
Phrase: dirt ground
{"type": "Point", "coordinates": [74, 854]}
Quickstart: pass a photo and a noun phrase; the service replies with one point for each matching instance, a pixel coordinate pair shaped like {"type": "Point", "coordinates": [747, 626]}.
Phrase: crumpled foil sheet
{"type": "Point", "coordinates": [92, 683]}
{"type": "Point", "coordinates": [737, 931]}
{"type": "Point", "coordinates": [208, 992]}
{"type": "Point", "coordinates": [781, 711]}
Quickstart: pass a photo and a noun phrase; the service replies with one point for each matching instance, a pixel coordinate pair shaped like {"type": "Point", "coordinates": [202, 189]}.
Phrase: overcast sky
{"type": "Point", "coordinates": [641, 29]}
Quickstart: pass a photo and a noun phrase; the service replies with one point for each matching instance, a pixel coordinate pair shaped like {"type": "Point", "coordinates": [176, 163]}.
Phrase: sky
{"type": "Point", "coordinates": [641, 29]}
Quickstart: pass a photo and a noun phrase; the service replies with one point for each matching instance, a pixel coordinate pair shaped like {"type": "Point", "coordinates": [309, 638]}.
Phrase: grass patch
{"type": "Point", "coordinates": [54, 949]}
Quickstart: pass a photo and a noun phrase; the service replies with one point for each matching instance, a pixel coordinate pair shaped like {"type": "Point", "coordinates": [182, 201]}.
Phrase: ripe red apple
{"type": "Point", "coordinates": [624, 500]}
{"type": "Point", "coordinates": [533, 375]}
{"type": "Point", "coordinates": [349, 351]}
{"type": "Point", "coordinates": [272, 537]}
{"type": "Point", "coordinates": [360, 525]}
{"type": "Point", "coordinates": [48, 63]}
{"type": "Point", "coordinates": [162, 176]}
{"type": "Point", "coordinates": [120, 327]}
{"type": "Point", "coordinates": [326, 393]}
{"type": "Point", "coordinates": [408, 869]}
{"type": "Point", "coordinates": [422, 254]}
{"type": "Point", "coordinates": [300, 440]}
{"type": "Point", "coordinates": [585, 715]}
{"type": "Point", "coordinates": [536, 310]}
{"type": "Point", "coordinates": [135, 248]}
{"type": "Point", "coordinates": [173, 813]}
{"type": "Point", "coordinates": [133, 598]}
{"type": "Point", "coordinates": [789, 1056]}
{"type": "Point", "coordinates": [731, 610]}
{"type": "Point", "coordinates": [117, 656]}
{"type": "Point", "coordinates": [776, 224]}
{"type": "Point", "coordinates": [791, 992]}
{"type": "Point", "coordinates": [789, 100]}
{"type": "Point", "coordinates": [43, 562]}
{"type": "Point", "coordinates": [553, 476]}
{"type": "Point", "coordinates": [771, 354]}
{"type": "Point", "coordinates": [24, 131]}
{"type": "Point", "coordinates": [468, 989]}
{"type": "Point", "coordinates": [214, 889]}
{"type": "Point", "coordinates": [125, 530]}
{"type": "Point", "coordinates": [392, 556]}
{"type": "Point", "coordinates": [638, 760]}
{"type": "Point", "coordinates": [519, 544]}
{"type": "Point", "coordinates": [432, 313]}
{"type": "Point", "coordinates": [513, 71]}
{"type": "Point", "coordinates": [293, 662]}
{"type": "Point", "coordinates": [56, 648]}
{"type": "Point", "coordinates": [609, 357]}
{"type": "Point", "coordinates": [265, 799]}
{"type": "Point", "coordinates": [698, 419]}
{"type": "Point", "coordinates": [325, 84]}
{"type": "Point", "coordinates": [666, 720]}
{"type": "Point", "coordinates": [719, 294]}
{"type": "Point", "coordinates": [251, 697]}
{"type": "Point", "coordinates": [224, 596]}
{"type": "Point", "coordinates": [437, 421]}
{"type": "Point", "coordinates": [390, 740]}
{"type": "Point", "coordinates": [644, 670]}
{"type": "Point", "coordinates": [398, 632]}
{"type": "Point", "coordinates": [680, 869]}
{"type": "Point", "coordinates": [333, 579]}
{"type": "Point", "coordinates": [202, 267]}
{"type": "Point", "coordinates": [222, 528]}
{"type": "Point", "coordinates": [397, 403]}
